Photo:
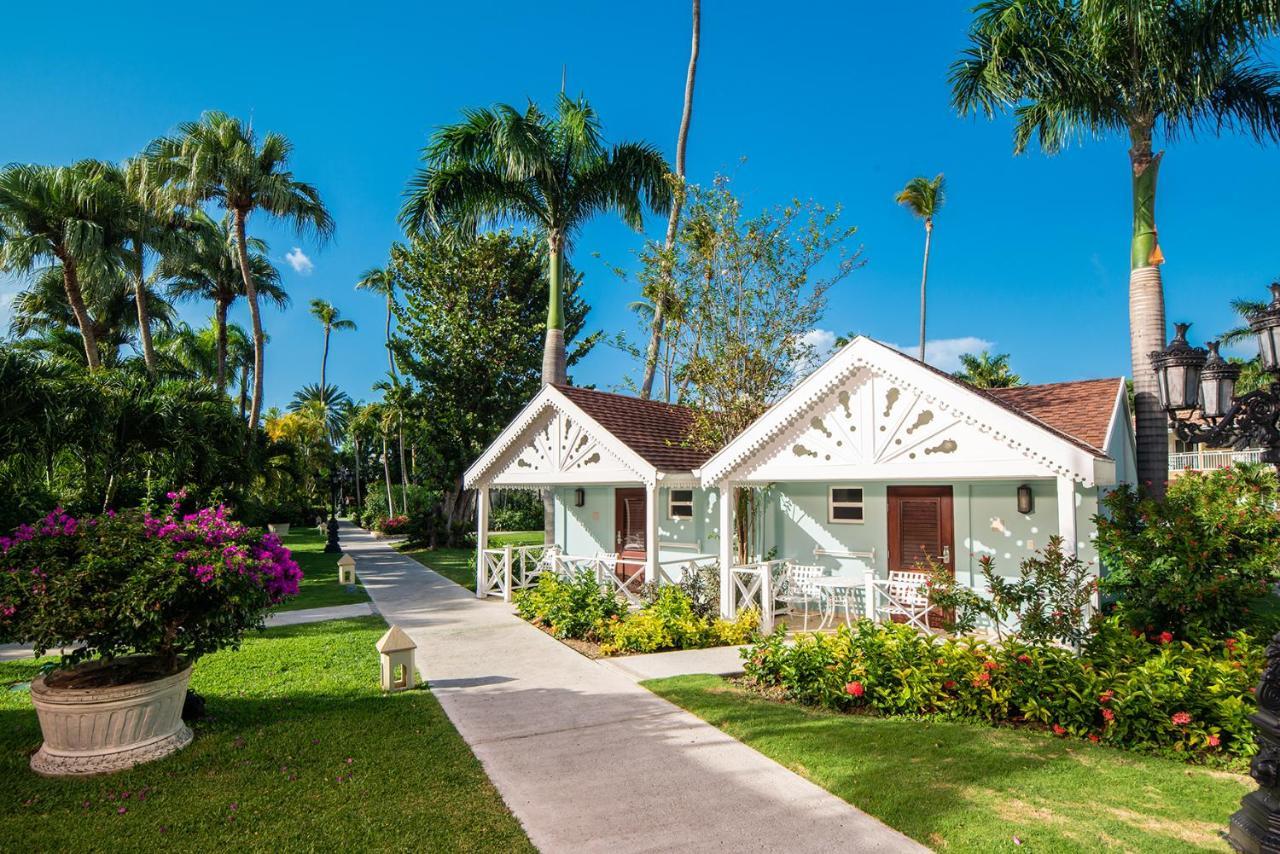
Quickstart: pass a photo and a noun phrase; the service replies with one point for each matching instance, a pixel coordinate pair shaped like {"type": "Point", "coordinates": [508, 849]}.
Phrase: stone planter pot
{"type": "Point", "coordinates": [99, 730]}
{"type": "Point", "coordinates": [278, 528]}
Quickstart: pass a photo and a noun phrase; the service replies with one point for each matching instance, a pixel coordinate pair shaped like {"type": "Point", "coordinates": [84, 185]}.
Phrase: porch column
{"type": "Point", "coordinates": [1067, 514]}
{"type": "Point", "coordinates": [482, 535]}
{"type": "Point", "coordinates": [651, 533]}
{"type": "Point", "coordinates": [725, 506]}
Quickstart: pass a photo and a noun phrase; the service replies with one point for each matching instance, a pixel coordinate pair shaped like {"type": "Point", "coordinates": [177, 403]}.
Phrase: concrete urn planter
{"type": "Point", "coordinates": [100, 730]}
{"type": "Point", "coordinates": [280, 529]}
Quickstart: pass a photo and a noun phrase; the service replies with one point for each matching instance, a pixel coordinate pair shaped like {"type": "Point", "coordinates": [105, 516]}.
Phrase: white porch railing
{"type": "Point", "coordinates": [1204, 460]}
{"type": "Point", "coordinates": [753, 585]}
{"type": "Point", "coordinates": [501, 572]}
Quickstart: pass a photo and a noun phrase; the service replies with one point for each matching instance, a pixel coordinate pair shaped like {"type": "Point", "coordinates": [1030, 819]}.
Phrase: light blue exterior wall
{"type": "Point", "coordinates": [590, 529]}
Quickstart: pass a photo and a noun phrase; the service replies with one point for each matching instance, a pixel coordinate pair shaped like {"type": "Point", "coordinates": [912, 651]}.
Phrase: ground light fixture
{"type": "Point", "coordinates": [1197, 390]}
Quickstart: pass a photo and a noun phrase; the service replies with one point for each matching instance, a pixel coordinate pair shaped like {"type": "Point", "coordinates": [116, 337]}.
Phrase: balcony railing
{"type": "Point", "coordinates": [1204, 460]}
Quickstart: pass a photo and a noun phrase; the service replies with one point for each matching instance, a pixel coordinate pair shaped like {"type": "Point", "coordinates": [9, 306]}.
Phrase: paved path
{"type": "Point", "coordinates": [585, 758]}
{"type": "Point", "coordinates": [14, 651]}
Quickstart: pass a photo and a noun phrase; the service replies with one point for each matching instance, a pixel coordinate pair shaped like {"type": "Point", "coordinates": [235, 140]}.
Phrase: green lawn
{"type": "Point", "coordinates": [303, 753]}
{"type": "Point", "coordinates": [456, 564]}
{"type": "Point", "coordinates": [963, 787]}
{"type": "Point", "coordinates": [319, 586]}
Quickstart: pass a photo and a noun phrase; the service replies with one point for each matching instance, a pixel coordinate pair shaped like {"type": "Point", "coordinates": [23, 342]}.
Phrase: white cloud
{"type": "Point", "coordinates": [819, 344]}
{"type": "Point", "coordinates": [299, 261]}
{"type": "Point", "coordinates": [945, 353]}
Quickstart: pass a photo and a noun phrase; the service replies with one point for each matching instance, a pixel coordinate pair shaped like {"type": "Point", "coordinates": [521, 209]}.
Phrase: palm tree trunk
{"type": "Point", "coordinates": [220, 323]}
{"type": "Point", "coordinates": [71, 282]}
{"type": "Point", "coordinates": [924, 281]}
{"type": "Point", "coordinates": [404, 471]}
{"type": "Point", "coordinates": [244, 388]}
{"type": "Point", "coordinates": [324, 362]}
{"type": "Point", "coordinates": [251, 296]}
{"type": "Point", "coordinates": [1146, 315]}
{"type": "Point", "coordinates": [553, 364]}
{"type": "Point", "coordinates": [355, 440]}
{"type": "Point", "coordinates": [391, 359]}
{"type": "Point", "coordinates": [673, 221]}
{"type": "Point", "coordinates": [144, 316]}
{"type": "Point", "coordinates": [386, 473]}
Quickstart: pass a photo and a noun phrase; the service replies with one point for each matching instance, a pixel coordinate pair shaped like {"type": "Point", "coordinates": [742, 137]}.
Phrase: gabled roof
{"type": "Point", "coordinates": [657, 431]}
{"type": "Point", "coordinates": [1081, 409]}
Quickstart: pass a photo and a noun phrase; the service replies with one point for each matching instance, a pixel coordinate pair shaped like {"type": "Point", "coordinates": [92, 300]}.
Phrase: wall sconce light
{"type": "Point", "coordinates": [579, 497]}
{"type": "Point", "coordinates": [1026, 501]}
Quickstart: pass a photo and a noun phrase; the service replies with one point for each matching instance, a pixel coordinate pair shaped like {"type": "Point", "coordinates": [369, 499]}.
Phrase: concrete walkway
{"type": "Point", "coordinates": [14, 651]}
{"type": "Point", "coordinates": [585, 758]}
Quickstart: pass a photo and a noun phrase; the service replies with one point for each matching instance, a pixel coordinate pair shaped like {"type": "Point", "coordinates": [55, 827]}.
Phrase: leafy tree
{"type": "Point", "coordinates": [71, 216]}
{"type": "Point", "coordinates": [206, 265]}
{"type": "Point", "coordinates": [1082, 68]}
{"type": "Point", "coordinates": [552, 171]}
{"type": "Point", "coordinates": [331, 319]}
{"type": "Point", "coordinates": [987, 371]}
{"type": "Point", "coordinates": [924, 197]}
{"type": "Point", "coordinates": [469, 323]}
{"type": "Point", "coordinates": [220, 159]}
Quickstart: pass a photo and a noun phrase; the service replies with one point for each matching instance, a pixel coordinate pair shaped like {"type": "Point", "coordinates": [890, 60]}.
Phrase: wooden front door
{"type": "Point", "coordinates": [629, 536]}
{"type": "Point", "coordinates": [921, 526]}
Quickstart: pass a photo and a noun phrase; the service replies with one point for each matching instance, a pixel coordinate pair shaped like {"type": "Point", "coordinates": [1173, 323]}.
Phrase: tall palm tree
{"type": "Point", "coordinates": [379, 280]}
{"type": "Point", "coordinates": [394, 396]}
{"type": "Point", "coordinates": [219, 159]}
{"type": "Point", "coordinates": [924, 197]}
{"type": "Point", "coordinates": [153, 223]}
{"type": "Point", "coordinates": [65, 215]}
{"type": "Point", "coordinates": [987, 371]}
{"type": "Point", "coordinates": [1074, 69]}
{"type": "Point", "coordinates": [501, 164]}
{"type": "Point", "coordinates": [331, 319]}
{"type": "Point", "coordinates": [204, 264]}
{"type": "Point", "coordinates": [660, 303]}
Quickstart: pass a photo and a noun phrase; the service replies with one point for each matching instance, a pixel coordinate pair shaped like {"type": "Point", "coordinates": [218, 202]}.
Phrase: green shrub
{"type": "Point", "coordinates": [520, 511]}
{"type": "Point", "coordinates": [569, 608]}
{"type": "Point", "coordinates": [1192, 563]}
{"type": "Point", "coordinates": [670, 621]}
{"type": "Point", "coordinates": [1123, 689]}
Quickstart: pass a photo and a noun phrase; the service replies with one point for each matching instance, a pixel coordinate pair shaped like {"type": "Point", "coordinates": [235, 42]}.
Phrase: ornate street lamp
{"type": "Point", "coordinates": [1189, 379]}
{"type": "Point", "coordinates": [332, 546]}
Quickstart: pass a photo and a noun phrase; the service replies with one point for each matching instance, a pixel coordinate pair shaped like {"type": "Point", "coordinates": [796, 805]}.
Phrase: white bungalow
{"type": "Point", "coordinates": [868, 465]}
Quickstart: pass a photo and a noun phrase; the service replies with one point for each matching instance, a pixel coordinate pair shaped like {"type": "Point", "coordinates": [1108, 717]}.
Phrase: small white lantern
{"type": "Point", "coordinates": [396, 650]}
{"type": "Point", "coordinates": [346, 569]}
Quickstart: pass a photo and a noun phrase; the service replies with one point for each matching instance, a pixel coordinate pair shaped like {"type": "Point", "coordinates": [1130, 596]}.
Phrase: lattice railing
{"type": "Point", "coordinates": [753, 585]}
{"type": "Point", "coordinates": [493, 573]}
{"type": "Point", "coordinates": [503, 571]}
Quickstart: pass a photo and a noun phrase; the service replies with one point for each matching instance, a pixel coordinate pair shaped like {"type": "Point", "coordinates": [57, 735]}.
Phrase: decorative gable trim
{"type": "Point", "coordinates": [950, 403]}
{"type": "Point", "coordinates": [552, 429]}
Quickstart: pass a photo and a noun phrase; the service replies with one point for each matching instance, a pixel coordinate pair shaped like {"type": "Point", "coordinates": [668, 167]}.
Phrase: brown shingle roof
{"type": "Point", "coordinates": [658, 432]}
{"type": "Point", "coordinates": [1081, 409]}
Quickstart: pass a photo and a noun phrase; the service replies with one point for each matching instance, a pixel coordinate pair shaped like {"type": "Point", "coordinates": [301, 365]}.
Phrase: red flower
{"type": "Point", "coordinates": [981, 679]}
{"type": "Point", "coordinates": [990, 665]}
{"type": "Point", "coordinates": [1180, 718]}
{"type": "Point", "coordinates": [949, 685]}
{"type": "Point", "coordinates": [854, 689]}
{"type": "Point", "coordinates": [1214, 741]}
{"type": "Point", "coordinates": [1093, 736]}
{"type": "Point", "coordinates": [1058, 729]}
{"type": "Point", "coordinates": [1024, 658]}
{"type": "Point", "coordinates": [1108, 715]}
{"type": "Point", "coordinates": [1166, 637]}
{"type": "Point", "coordinates": [1106, 696]}
{"type": "Point", "coordinates": [1229, 643]}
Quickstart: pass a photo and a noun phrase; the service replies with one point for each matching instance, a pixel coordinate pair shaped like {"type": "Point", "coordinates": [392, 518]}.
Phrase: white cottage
{"type": "Point", "coordinates": [869, 464]}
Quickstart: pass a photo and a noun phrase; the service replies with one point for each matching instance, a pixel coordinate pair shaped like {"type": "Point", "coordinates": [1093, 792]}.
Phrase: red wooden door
{"type": "Point", "coordinates": [629, 535]}
{"type": "Point", "coordinates": [922, 526]}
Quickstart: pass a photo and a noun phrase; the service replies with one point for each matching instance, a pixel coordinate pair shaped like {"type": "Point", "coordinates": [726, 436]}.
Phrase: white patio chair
{"type": "Point", "coordinates": [907, 596]}
{"type": "Point", "coordinates": [798, 591]}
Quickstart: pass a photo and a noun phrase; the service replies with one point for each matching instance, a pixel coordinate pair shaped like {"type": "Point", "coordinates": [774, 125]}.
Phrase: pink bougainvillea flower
{"type": "Point", "coordinates": [1180, 718]}
{"type": "Point", "coordinates": [854, 689]}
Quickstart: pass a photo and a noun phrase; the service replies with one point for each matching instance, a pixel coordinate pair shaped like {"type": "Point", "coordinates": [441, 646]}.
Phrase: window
{"type": "Point", "coordinates": [680, 504]}
{"type": "Point", "coordinates": [845, 504]}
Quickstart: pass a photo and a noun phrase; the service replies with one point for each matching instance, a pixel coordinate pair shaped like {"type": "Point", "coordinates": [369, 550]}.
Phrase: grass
{"type": "Point", "coordinates": [456, 564]}
{"type": "Point", "coordinates": [964, 787]}
{"type": "Point", "coordinates": [303, 752]}
{"type": "Point", "coordinates": [319, 588]}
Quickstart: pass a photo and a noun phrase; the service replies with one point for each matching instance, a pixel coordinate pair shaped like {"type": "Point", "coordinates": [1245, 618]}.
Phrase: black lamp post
{"type": "Point", "coordinates": [332, 546]}
{"type": "Point", "coordinates": [1189, 379]}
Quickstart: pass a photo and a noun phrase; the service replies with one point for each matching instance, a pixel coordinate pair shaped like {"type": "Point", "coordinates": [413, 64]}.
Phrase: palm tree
{"type": "Point", "coordinates": [329, 400]}
{"type": "Point", "coordinates": [555, 172]}
{"type": "Point", "coordinates": [379, 280]}
{"type": "Point", "coordinates": [660, 306]}
{"type": "Point", "coordinates": [331, 319]}
{"type": "Point", "coordinates": [68, 215]}
{"type": "Point", "coordinates": [220, 159]}
{"type": "Point", "coordinates": [152, 223]}
{"type": "Point", "coordinates": [987, 371]}
{"type": "Point", "coordinates": [924, 198]}
{"type": "Point", "coordinates": [394, 395]}
{"type": "Point", "coordinates": [1088, 69]}
{"type": "Point", "coordinates": [206, 265]}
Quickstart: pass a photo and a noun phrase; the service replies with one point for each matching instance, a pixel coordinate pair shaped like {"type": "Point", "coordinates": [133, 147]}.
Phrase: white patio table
{"type": "Point", "coordinates": [836, 590]}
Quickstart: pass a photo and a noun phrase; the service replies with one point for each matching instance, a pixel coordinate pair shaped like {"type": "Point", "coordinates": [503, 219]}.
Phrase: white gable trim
{"type": "Point", "coordinates": [521, 432]}
{"type": "Point", "coordinates": [1045, 451]}
{"type": "Point", "coordinates": [1121, 418]}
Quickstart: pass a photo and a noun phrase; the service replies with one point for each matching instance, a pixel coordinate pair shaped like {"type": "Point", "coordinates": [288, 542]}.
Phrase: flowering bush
{"type": "Point", "coordinates": [170, 587]}
{"type": "Point", "coordinates": [1193, 562]}
{"type": "Point", "coordinates": [570, 608]}
{"type": "Point", "coordinates": [1124, 690]}
{"type": "Point", "coordinates": [392, 525]}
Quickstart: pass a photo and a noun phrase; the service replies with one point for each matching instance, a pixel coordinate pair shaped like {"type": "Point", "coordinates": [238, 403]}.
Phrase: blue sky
{"type": "Point", "coordinates": [838, 102]}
